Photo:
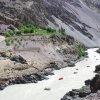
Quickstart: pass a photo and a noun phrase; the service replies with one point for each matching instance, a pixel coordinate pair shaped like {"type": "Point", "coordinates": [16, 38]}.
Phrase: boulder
{"type": "Point", "coordinates": [54, 65]}
{"type": "Point", "coordinates": [3, 54]}
{"type": "Point", "coordinates": [18, 59]}
{"type": "Point", "coordinates": [97, 68]}
{"type": "Point", "coordinates": [48, 71]}
{"type": "Point", "coordinates": [71, 63]}
{"type": "Point", "coordinates": [47, 89]}
{"type": "Point", "coordinates": [87, 82]}
{"type": "Point", "coordinates": [98, 51]}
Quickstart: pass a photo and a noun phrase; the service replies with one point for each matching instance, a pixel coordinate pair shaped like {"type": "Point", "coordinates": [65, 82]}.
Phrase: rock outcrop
{"type": "Point", "coordinates": [95, 83]}
{"type": "Point", "coordinates": [18, 59]}
{"type": "Point", "coordinates": [98, 50]}
{"type": "Point", "coordinates": [77, 94]}
{"type": "Point", "coordinates": [97, 68]}
{"type": "Point", "coordinates": [90, 91]}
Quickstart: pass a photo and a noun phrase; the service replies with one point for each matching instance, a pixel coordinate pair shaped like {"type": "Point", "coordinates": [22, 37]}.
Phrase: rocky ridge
{"type": "Point", "coordinates": [93, 4]}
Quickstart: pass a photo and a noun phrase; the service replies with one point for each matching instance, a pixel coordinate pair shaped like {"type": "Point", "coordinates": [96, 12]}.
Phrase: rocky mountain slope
{"type": "Point", "coordinates": [40, 55]}
{"type": "Point", "coordinates": [93, 4]}
{"type": "Point", "coordinates": [74, 16]}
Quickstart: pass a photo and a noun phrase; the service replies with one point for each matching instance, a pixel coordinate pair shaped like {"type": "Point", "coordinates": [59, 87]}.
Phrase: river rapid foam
{"type": "Point", "coordinates": [73, 78]}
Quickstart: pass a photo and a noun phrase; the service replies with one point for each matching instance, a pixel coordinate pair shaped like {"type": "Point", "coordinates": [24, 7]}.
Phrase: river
{"type": "Point", "coordinates": [58, 87]}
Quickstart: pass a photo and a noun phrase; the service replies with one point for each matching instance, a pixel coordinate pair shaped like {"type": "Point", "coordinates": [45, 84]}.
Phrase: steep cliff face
{"type": "Point", "coordinates": [74, 16]}
{"type": "Point", "coordinates": [23, 11]}
{"type": "Point", "coordinates": [78, 20]}
{"type": "Point", "coordinates": [94, 4]}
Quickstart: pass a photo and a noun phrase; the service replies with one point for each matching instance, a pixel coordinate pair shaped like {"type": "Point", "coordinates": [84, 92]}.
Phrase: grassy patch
{"type": "Point", "coordinates": [9, 33]}
{"type": "Point", "coordinates": [7, 41]}
{"type": "Point", "coordinates": [80, 50]}
{"type": "Point", "coordinates": [32, 30]}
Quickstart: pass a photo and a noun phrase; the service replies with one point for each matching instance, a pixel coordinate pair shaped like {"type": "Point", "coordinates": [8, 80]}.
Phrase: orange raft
{"type": "Point", "coordinates": [61, 78]}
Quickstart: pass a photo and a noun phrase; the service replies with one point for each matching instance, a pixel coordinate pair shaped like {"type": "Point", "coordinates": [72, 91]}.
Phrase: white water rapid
{"type": "Point", "coordinates": [58, 87]}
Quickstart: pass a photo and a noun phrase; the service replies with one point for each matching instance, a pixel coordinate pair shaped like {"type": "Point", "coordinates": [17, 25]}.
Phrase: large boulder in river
{"type": "Point", "coordinates": [97, 68]}
{"type": "Point", "coordinates": [98, 51]}
{"type": "Point", "coordinates": [18, 59]}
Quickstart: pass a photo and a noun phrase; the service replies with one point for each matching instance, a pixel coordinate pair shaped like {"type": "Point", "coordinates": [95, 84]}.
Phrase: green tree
{"type": "Point", "coordinates": [61, 30]}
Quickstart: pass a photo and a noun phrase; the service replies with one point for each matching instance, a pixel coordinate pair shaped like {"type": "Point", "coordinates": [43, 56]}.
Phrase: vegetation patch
{"type": "Point", "coordinates": [9, 33]}
{"type": "Point", "coordinates": [81, 50]}
{"type": "Point", "coordinates": [33, 30]}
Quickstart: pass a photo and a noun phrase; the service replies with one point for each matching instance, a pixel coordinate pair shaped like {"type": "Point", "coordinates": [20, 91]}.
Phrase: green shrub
{"type": "Point", "coordinates": [81, 52]}
{"type": "Point", "coordinates": [18, 33]}
{"type": "Point", "coordinates": [27, 29]}
{"type": "Point", "coordinates": [50, 30]}
{"type": "Point", "coordinates": [62, 31]}
{"type": "Point", "coordinates": [7, 41]}
{"type": "Point", "coordinates": [9, 33]}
